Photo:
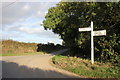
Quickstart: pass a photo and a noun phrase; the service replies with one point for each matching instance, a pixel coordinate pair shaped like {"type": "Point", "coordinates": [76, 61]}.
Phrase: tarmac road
{"type": "Point", "coordinates": [34, 66]}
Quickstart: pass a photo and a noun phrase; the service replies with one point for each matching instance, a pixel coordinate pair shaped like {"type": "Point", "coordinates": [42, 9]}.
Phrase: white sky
{"type": "Point", "coordinates": [21, 21]}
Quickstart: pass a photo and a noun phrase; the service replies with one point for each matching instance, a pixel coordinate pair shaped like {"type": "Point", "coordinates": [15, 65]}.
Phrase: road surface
{"type": "Point", "coordinates": [33, 66]}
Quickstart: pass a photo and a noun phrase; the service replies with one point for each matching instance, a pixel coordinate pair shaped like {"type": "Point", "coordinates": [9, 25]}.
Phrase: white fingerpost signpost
{"type": "Point", "coordinates": [93, 33]}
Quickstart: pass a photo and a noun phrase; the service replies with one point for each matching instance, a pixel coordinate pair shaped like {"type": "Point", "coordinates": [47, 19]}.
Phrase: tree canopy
{"type": "Point", "coordinates": [66, 17]}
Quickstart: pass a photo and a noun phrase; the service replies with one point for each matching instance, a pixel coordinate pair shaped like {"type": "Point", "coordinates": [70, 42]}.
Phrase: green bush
{"type": "Point", "coordinates": [108, 49]}
{"type": "Point", "coordinates": [49, 47]}
{"type": "Point", "coordinates": [66, 18]}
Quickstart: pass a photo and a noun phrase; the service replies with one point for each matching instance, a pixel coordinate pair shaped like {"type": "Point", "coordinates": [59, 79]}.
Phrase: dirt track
{"type": "Point", "coordinates": [36, 66]}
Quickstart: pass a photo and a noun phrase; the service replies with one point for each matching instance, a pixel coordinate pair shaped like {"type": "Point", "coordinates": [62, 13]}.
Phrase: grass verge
{"type": "Point", "coordinates": [83, 67]}
{"type": "Point", "coordinates": [22, 54]}
{"type": "Point", "coordinates": [33, 53]}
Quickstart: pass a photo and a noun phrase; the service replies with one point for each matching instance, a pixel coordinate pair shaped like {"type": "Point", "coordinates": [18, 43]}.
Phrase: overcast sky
{"type": "Point", "coordinates": [21, 21]}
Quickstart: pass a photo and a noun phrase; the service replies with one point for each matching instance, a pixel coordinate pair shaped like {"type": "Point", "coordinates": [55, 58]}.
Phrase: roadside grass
{"type": "Point", "coordinates": [32, 53]}
{"type": "Point", "coordinates": [83, 67]}
{"type": "Point", "coordinates": [22, 54]}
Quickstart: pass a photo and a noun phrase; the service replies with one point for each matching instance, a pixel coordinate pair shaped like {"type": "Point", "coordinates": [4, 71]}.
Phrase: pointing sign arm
{"type": "Point", "coordinates": [85, 29]}
{"type": "Point", "coordinates": [99, 33]}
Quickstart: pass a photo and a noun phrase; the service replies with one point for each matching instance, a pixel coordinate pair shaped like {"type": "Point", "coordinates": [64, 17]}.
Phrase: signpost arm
{"type": "Point", "coordinates": [92, 44]}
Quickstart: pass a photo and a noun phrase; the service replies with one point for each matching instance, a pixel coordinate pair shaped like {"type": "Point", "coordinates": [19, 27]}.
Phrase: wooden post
{"type": "Point", "coordinates": [92, 44]}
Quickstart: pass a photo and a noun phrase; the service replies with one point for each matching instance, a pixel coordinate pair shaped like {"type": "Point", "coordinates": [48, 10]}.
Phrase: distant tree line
{"type": "Point", "coordinates": [49, 47]}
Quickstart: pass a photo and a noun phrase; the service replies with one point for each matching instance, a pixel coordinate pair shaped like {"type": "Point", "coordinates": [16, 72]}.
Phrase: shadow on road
{"type": "Point", "coordinates": [13, 70]}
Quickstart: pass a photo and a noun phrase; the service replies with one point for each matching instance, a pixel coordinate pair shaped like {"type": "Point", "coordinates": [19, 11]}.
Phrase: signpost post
{"type": "Point", "coordinates": [93, 33]}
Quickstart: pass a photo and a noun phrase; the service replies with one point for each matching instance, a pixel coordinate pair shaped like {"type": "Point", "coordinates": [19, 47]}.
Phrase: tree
{"type": "Point", "coordinates": [67, 17]}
